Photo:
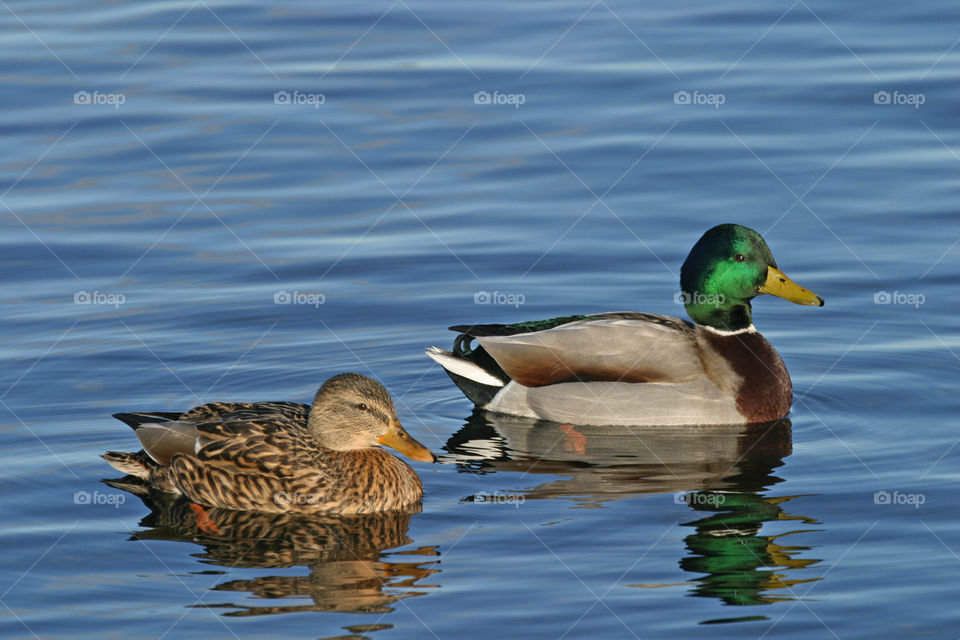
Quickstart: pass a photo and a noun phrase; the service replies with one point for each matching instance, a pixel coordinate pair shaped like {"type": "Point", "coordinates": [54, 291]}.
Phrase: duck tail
{"type": "Point", "coordinates": [479, 380]}
{"type": "Point", "coordinates": [131, 485]}
{"type": "Point", "coordinates": [136, 418]}
{"type": "Point", "coordinates": [136, 464]}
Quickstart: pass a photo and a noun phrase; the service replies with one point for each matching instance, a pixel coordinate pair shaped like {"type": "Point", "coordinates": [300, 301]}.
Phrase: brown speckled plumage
{"type": "Point", "coordinates": [268, 456]}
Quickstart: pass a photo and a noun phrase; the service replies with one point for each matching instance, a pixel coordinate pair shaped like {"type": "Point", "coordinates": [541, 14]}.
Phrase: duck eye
{"type": "Point", "coordinates": [362, 406]}
{"type": "Point", "coordinates": [740, 257]}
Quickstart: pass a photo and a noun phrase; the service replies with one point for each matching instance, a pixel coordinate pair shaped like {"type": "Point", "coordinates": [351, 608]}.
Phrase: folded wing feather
{"type": "Point", "coordinates": [647, 349]}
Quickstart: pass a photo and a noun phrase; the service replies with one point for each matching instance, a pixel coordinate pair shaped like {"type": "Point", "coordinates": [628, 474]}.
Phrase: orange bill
{"type": "Point", "coordinates": [398, 438]}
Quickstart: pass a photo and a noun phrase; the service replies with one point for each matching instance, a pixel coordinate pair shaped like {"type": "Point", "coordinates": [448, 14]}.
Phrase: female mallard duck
{"type": "Point", "coordinates": [641, 368]}
{"type": "Point", "coordinates": [282, 456]}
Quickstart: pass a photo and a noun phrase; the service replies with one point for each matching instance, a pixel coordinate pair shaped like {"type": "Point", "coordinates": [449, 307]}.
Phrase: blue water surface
{"type": "Point", "coordinates": [234, 200]}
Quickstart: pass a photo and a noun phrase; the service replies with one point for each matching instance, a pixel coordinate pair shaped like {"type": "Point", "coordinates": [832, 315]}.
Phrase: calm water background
{"type": "Point", "coordinates": [185, 210]}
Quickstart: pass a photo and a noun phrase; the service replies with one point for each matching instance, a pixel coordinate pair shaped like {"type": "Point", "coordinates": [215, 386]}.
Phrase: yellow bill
{"type": "Point", "coordinates": [778, 284]}
{"type": "Point", "coordinates": [398, 438]}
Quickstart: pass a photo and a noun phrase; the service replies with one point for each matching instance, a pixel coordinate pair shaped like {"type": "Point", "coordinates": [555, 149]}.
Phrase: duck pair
{"type": "Point", "coordinates": [623, 368]}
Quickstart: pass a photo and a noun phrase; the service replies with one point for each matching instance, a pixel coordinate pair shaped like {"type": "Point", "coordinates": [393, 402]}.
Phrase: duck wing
{"type": "Point", "coordinates": [163, 434]}
{"type": "Point", "coordinates": [612, 347]}
{"type": "Point", "coordinates": [235, 411]}
{"type": "Point", "coordinates": [251, 465]}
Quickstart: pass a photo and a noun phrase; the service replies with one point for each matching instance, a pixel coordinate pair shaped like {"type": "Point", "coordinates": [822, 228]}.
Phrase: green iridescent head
{"type": "Point", "coordinates": [728, 267]}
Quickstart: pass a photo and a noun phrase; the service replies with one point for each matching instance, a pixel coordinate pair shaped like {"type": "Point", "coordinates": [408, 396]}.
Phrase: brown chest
{"type": "Point", "coordinates": [754, 371]}
{"type": "Point", "coordinates": [374, 480]}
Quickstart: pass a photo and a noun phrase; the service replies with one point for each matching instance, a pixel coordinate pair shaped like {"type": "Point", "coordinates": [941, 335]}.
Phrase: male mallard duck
{"type": "Point", "coordinates": [641, 368]}
{"type": "Point", "coordinates": [282, 456]}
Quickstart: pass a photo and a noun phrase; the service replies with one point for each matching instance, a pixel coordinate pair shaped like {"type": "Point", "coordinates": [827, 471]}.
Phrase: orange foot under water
{"type": "Point", "coordinates": [204, 521]}
{"type": "Point", "coordinates": [573, 440]}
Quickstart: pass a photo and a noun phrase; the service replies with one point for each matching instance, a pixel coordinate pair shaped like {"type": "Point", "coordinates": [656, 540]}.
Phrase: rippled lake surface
{"type": "Point", "coordinates": [235, 200]}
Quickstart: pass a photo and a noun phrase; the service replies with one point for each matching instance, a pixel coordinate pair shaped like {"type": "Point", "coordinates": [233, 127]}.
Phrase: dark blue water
{"type": "Point", "coordinates": [150, 224]}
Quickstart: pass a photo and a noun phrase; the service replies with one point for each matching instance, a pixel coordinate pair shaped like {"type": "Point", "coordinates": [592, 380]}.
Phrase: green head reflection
{"type": "Point", "coordinates": [741, 566]}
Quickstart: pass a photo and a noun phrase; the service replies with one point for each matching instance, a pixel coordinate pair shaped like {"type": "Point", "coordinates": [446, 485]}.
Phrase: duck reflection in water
{"type": "Point", "coordinates": [719, 471]}
{"type": "Point", "coordinates": [349, 570]}
{"type": "Point", "coordinates": [741, 566]}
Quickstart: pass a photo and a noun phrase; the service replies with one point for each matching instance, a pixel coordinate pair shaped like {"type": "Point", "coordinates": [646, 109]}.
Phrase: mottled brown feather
{"type": "Point", "coordinates": [261, 457]}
